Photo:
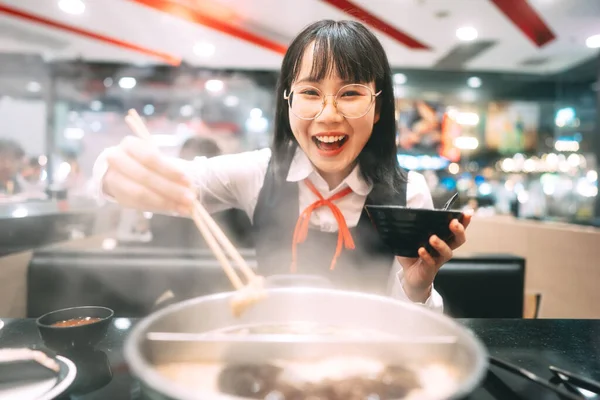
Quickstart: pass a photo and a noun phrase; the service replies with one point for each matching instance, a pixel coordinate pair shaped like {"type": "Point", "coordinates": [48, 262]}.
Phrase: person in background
{"type": "Point", "coordinates": [31, 179]}
{"type": "Point", "coordinates": [199, 147]}
{"type": "Point", "coordinates": [11, 158]}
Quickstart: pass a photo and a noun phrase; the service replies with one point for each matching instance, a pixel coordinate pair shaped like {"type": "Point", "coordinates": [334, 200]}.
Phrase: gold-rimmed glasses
{"type": "Point", "coordinates": [352, 101]}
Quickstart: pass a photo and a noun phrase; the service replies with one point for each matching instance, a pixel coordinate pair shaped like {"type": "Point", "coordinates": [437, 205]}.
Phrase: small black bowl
{"type": "Point", "coordinates": [404, 230]}
{"type": "Point", "coordinates": [88, 335]}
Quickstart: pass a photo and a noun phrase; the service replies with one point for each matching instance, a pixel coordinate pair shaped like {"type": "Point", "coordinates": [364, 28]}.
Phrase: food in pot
{"type": "Point", "coordinates": [249, 295]}
{"type": "Point", "coordinates": [331, 379]}
{"type": "Point", "coordinates": [337, 378]}
{"type": "Point", "coordinates": [326, 378]}
{"type": "Point", "coordinates": [76, 322]}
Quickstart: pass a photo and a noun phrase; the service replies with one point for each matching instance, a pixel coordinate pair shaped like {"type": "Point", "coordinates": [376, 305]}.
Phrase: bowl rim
{"type": "Point", "coordinates": [425, 210]}
{"type": "Point", "coordinates": [41, 324]}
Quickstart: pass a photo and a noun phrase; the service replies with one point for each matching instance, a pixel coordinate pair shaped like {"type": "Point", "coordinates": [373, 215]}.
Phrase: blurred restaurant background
{"type": "Point", "coordinates": [498, 101]}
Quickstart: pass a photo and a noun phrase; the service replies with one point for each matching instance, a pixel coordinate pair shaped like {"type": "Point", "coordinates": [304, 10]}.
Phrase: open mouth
{"type": "Point", "coordinates": [330, 143]}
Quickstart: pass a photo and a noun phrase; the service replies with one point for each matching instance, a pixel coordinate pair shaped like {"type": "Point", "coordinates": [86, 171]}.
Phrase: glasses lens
{"type": "Point", "coordinates": [306, 101]}
{"type": "Point", "coordinates": [354, 100]}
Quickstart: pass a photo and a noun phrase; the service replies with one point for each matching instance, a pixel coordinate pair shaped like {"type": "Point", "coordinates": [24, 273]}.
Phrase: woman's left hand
{"type": "Point", "coordinates": [420, 272]}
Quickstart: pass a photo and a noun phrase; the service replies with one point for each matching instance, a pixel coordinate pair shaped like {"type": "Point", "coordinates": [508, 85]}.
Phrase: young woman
{"type": "Point", "coordinates": [333, 151]}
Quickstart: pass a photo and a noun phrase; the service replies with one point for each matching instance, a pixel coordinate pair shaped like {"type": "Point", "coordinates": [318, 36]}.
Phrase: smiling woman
{"type": "Point", "coordinates": [333, 152]}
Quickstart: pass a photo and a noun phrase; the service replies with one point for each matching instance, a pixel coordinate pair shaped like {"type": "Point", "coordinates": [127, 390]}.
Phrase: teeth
{"type": "Point", "coordinates": [329, 139]}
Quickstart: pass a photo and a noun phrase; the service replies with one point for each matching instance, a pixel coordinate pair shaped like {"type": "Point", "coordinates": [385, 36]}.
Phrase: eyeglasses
{"type": "Point", "coordinates": [352, 101]}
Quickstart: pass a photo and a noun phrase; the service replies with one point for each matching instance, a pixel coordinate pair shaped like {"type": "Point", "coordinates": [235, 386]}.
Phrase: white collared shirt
{"type": "Point", "coordinates": [235, 181]}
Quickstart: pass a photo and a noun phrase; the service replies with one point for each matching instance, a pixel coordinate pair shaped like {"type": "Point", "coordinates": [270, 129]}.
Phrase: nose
{"type": "Point", "coordinates": [330, 113]}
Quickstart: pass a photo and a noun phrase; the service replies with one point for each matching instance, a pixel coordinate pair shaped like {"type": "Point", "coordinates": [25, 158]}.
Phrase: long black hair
{"type": "Point", "coordinates": [351, 50]}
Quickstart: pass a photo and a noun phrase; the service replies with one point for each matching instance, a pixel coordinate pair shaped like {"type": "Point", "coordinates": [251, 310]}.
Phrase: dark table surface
{"type": "Point", "coordinates": [532, 344]}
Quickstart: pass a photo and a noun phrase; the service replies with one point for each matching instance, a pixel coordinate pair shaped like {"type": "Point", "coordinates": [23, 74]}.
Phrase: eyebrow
{"type": "Point", "coordinates": [313, 80]}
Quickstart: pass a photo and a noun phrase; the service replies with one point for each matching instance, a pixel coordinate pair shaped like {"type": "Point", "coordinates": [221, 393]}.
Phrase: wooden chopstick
{"type": "Point", "coordinates": [214, 236]}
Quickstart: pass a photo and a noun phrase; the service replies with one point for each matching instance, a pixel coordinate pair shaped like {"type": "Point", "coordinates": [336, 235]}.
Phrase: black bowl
{"type": "Point", "coordinates": [88, 335]}
{"type": "Point", "coordinates": [404, 230]}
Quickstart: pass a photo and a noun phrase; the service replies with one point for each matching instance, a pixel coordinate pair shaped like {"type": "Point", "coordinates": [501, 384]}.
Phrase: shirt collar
{"type": "Point", "coordinates": [301, 168]}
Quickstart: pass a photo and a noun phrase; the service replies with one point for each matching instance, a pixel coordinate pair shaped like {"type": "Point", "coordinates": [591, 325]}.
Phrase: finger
{"type": "Point", "coordinates": [147, 155]}
{"type": "Point", "coordinates": [466, 219]}
{"type": "Point", "coordinates": [132, 170]}
{"type": "Point", "coordinates": [130, 193]}
{"type": "Point", "coordinates": [458, 231]}
{"type": "Point", "coordinates": [445, 252]}
{"type": "Point", "coordinates": [426, 258]}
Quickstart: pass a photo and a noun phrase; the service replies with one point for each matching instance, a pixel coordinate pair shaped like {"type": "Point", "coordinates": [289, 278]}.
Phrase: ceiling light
{"type": "Point", "coordinates": [96, 126]}
{"type": "Point", "coordinates": [74, 133]}
{"type": "Point", "coordinates": [466, 33]}
{"type": "Point", "coordinates": [257, 125]}
{"type": "Point", "coordinates": [127, 82]}
{"type": "Point", "coordinates": [231, 101]}
{"type": "Point", "coordinates": [148, 109]}
{"type": "Point", "coordinates": [474, 82]}
{"type": "Point", "coordinates": [73, 7]}
{"type": "Point", "coordinates": [108, 82]}
{"type": "Point", "coordinates": [453, 168]}
{"type": "Point", "coordinates": [593, 42]}
{"type": "Point", "coordinates": [467, 118]}
{"type": "Point", "coordinates": [96, 105]}
{"type": "Point", "coordinates": [204, 49]}
{"type": "Point", "coordinates": [399, 79]}
{"type": "Point", "coordinates": [466, 143]}
{"type": "Point", "coordinates": [34, 87]}
{"type": "Point", "coordinates": [256, 113]}
{"type": "Point", "coordinates": [186, 110]}
{"type": "Point", "coordinates": [214, 85]}
{"type": "Point", "coordinates": [20, 212]}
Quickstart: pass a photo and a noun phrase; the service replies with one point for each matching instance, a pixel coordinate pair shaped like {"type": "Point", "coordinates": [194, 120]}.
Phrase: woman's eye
{"type": "Point", "coordinates": [309, 92]}
{"type": "Point", "coordinates": [351, 93]}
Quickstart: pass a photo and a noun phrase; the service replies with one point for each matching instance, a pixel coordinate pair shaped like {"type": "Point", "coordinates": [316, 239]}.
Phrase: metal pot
{"type": "Point", "coordinates": [467, 357]}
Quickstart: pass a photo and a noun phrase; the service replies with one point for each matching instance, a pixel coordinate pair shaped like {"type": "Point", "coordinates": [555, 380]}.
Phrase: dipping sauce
{"type": "Point", "coordinates": [76, 322]}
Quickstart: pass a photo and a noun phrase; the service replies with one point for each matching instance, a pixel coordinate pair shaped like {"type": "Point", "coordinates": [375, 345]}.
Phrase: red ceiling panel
{"type": "Point", "coordinates": [360, 13]}
{"type": "Point", "coordinates": [527, 20]}
{"type": "Point", "coordinates": [202, 12]}
{"type": "Point", "coordinates": [14, 12]}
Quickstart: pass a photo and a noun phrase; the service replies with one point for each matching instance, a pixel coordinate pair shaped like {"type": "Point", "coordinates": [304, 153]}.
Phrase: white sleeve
{"type": "Point", "coordinates": [396, 290]}
{"type": "Point", "coordinates": [418, 195]}
{"type": "Point", "coordinates": [228, 181]}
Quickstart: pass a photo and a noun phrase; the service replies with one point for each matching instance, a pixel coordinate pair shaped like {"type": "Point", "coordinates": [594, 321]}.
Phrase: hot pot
{"type": "Point", "coordinates": [465, 355]}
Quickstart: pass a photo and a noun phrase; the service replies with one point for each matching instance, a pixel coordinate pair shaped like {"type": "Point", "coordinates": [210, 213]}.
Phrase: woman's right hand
{"type": "Point", "coordinates": [138, 176]}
